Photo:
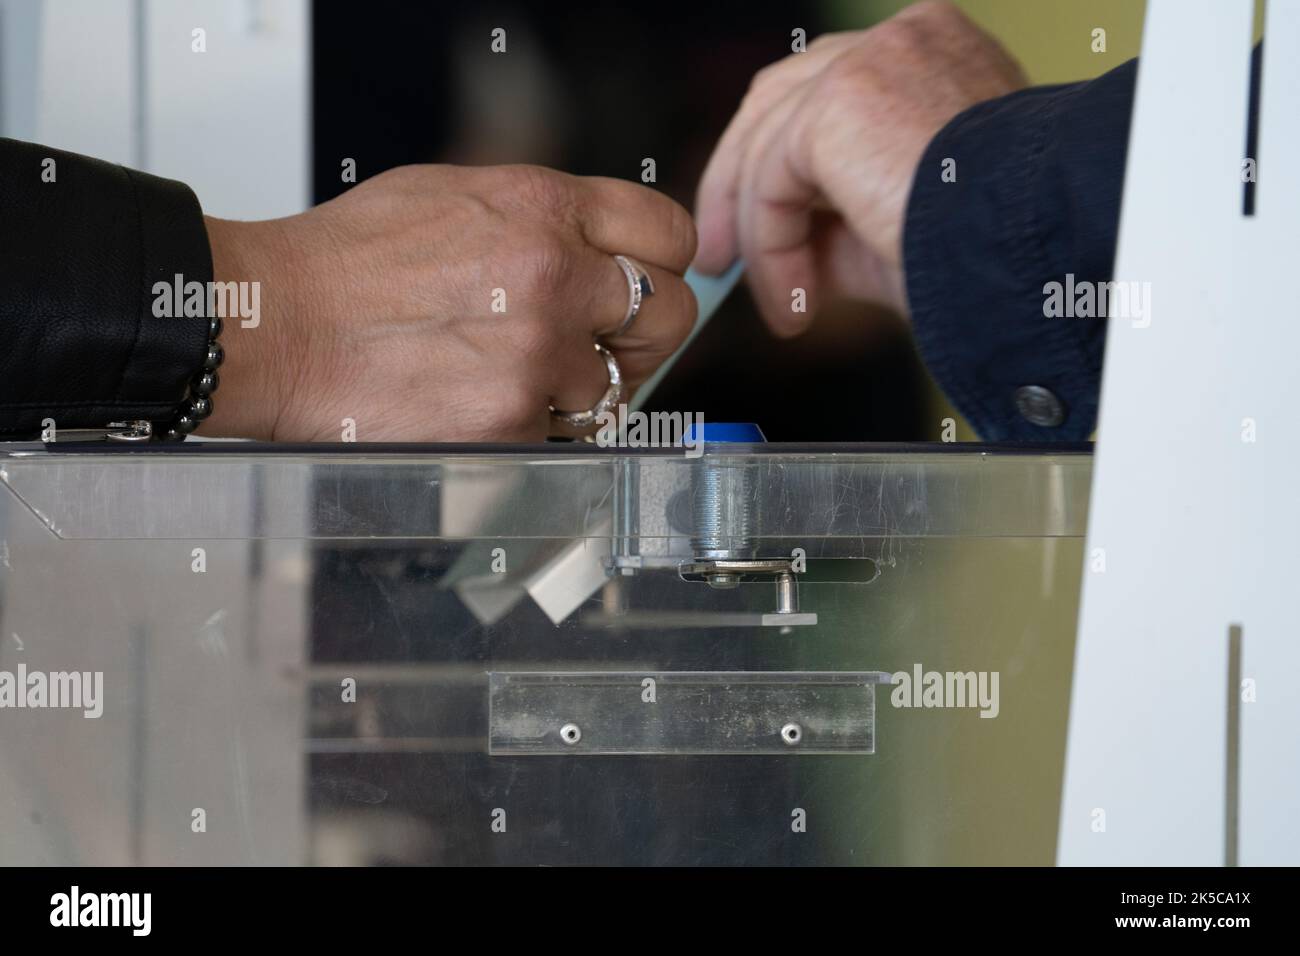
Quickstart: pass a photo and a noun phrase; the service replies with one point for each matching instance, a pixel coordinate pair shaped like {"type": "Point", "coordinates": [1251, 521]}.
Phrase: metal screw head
{"type": "Point", "coordinates": [570, 733]}
{"type": "Point", "coordinates": [792, 733]}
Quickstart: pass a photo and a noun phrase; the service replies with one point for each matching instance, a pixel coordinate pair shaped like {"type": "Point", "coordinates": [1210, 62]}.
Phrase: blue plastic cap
{"type": "Point", "coordinates": [718, 433]}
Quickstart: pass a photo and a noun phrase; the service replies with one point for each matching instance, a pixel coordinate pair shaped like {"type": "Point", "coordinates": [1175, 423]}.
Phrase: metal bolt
{"type": "Point", "coordinates": [723, 515]}
{"type": "Point", "coordinates": [792, 733]}
{"type": "Point", "coordinates": [787, 594]}
{"type": "Point", "coordinates": [570, 733]}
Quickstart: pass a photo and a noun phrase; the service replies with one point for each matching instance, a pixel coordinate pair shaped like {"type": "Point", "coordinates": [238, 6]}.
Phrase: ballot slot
{"type": "Point", "coordinates": [832, 497]}
{"type": "Point", "coordinates": [719, 712]}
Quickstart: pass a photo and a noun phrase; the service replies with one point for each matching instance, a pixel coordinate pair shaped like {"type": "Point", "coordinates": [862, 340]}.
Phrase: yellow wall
{"type": "Point", "coordinates": [1051, 38]}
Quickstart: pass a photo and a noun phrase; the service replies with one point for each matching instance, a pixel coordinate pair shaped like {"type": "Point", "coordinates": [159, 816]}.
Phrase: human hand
{"type": "Point", "coordinates": [379, 306]}
{"type": "Point", "coordinates": [809, 183]}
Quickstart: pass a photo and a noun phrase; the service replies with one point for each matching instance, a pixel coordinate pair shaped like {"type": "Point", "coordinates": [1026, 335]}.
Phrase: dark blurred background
{"type": "Point", "coordinates": [594, 89]}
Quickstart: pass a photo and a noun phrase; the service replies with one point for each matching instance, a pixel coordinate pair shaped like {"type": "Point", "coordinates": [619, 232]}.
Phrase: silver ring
{"type": "Point", "coordinates": [613, 395]}
{"type": "Point", "coordinates": [639, 288]}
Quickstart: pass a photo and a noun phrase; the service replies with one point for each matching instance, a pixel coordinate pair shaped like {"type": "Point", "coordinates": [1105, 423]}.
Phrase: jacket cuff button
{"type": "Point", "coordinates": [1039, 406]}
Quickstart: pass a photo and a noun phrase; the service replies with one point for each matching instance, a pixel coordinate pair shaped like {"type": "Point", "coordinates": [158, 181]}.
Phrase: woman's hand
{"type": "Point", "coordinates": [443, 303]}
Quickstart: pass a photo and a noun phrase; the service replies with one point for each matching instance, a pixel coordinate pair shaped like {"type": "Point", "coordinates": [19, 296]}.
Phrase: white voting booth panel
{"type": "Point", "coordinates": [130, 81]}
{"type": "Point", "coordinates": [1182, 743]}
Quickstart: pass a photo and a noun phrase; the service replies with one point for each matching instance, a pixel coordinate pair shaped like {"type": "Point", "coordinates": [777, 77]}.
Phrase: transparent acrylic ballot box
{"type": "Point", "coordinates": [545, 655]}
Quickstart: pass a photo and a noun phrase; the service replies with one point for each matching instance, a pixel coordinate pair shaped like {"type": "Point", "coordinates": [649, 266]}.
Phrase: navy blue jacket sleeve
{"type": "Point", "coordinates": [1035, 201]}
{"type": "Point", "coordinates": [1036, 198]}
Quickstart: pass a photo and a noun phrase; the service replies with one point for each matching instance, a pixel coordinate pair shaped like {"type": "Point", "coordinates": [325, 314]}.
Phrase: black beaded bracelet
{"type": "Point", "coordinates": [198, 399]}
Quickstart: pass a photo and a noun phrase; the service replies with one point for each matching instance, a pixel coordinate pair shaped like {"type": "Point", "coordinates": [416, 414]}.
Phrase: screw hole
{"type": "Point", "coordinates": [570, 733]}
{"type": "Point", "coordinates": [792, 733]}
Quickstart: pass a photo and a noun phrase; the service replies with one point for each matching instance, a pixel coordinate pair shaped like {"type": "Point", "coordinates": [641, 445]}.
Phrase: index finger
{"type": "Point", "coordinates": [716, 201]}
{"type": "Point", "coordinates": [623, 218]}
{"type": "Point", "coordinates": [777, 197]}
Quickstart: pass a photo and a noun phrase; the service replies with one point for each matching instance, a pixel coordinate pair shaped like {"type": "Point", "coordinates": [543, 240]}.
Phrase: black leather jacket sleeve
{"type": "Point", "coordinates": [82, 243]}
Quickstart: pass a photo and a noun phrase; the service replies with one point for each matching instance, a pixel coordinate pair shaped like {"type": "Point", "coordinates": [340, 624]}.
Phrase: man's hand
{"type": "Point", "coordinates": [809, 183]}
{"type": "Point", "coordinates": [442, 303]}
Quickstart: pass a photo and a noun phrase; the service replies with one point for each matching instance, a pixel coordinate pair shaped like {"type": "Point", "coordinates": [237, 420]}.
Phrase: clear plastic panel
{"type": "Point", "coordinates": [295, 653]}
{"type": "Point", "coordinates": [828, 496]}
{"type": "Point", "coordinates": [683, 713]}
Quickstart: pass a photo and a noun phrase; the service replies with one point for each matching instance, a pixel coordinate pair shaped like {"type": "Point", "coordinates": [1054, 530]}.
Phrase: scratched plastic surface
{"type": "Point", "coordinates": [681, 712]}
{"type": "Point", "coordinates": [300, 646]}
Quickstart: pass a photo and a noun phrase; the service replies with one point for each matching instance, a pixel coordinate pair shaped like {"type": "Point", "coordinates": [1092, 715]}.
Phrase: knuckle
{"type": "Point", "coordinates": [403, 178]}
{"type": "Point", "coordinates": [542, 189]}
{"type": "Point", "coordinates": [902, 33]}
{"type": "Point", "coordinates": [843, 82]}
{"type": "Point", "coordinates": [763, 77]}
{"type": "Point", "coordinates": [767, 84]}
{"type": "Point", "coordinates": [547, 264]}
